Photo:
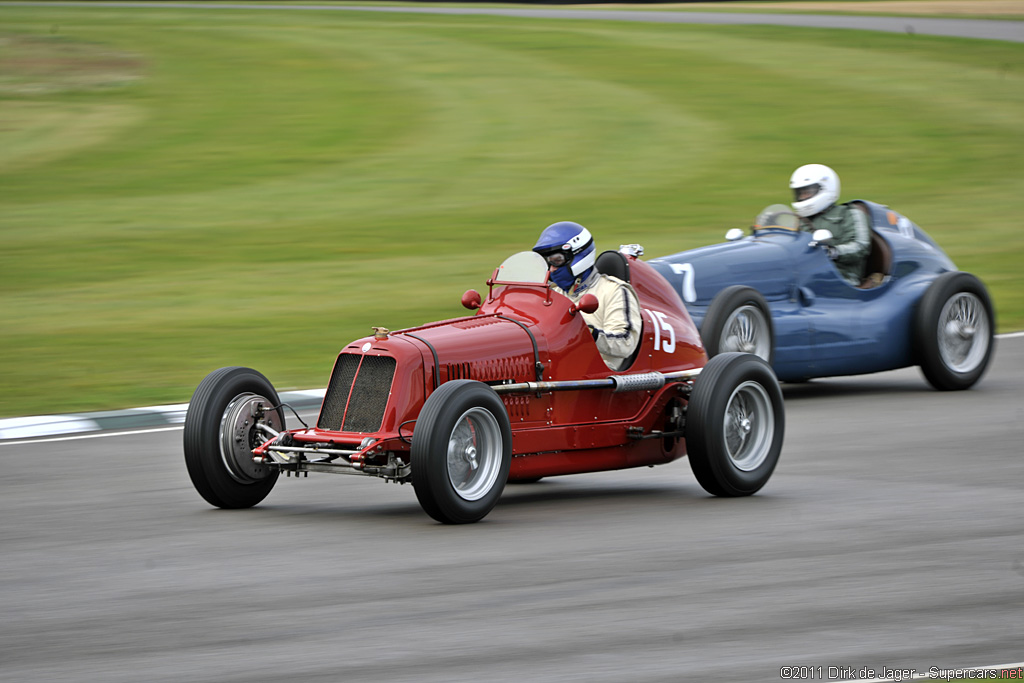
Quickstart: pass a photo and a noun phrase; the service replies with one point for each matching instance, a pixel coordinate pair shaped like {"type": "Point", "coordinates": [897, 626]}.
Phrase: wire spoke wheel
{"type": "Point", "coordinates": [738, 320]}
{"type": "Point", "coordinates": [461, 452]}
{"type": "Point", "coordinates": [735, 424]}
{"type": "Point", "coordinates": [963, 332]}
{"type": "Point", "coordinates": [953, 331]}
{"type": "Point", "coordinates": [746, 331]}
{"type": "Point", "coordinates": [749, 426]}
{"type": "Point", "coordinates": [229, 415]}
{"type": "Point", "coordinates": [474, 454]}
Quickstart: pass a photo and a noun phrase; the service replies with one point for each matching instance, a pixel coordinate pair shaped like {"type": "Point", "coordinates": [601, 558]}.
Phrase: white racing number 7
{"type": "Point", "coordinates": [689, 286]}
{"type": "Point", "coordinates": [664, 333]}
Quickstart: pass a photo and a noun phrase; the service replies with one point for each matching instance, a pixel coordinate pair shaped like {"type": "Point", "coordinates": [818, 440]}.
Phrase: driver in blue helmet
{"type": "Point", "coordinates": [569, 250]}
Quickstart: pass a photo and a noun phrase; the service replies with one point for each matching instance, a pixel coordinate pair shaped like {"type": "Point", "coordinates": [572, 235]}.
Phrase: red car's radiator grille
{"type": "Point", "coordinates": [357, 394]}
{"type": "Point", "coordinates": [336, 399]}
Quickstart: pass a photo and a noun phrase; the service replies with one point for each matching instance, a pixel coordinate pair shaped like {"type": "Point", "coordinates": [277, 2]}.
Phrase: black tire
{"type": "Point", "coordinates": [735, 423]}
{"type": "Point", "coordinates": [738, 319]}
{"type": "Point", "coordinates": [954, 325]}
{"type": "Point", "coordinates": [220, 433]}
{"type": "Point", "coordinates": [461, 452]}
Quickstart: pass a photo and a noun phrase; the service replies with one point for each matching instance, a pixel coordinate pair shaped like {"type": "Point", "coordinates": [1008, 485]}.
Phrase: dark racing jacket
{"type": "Point", "coordinates": [851, 238]}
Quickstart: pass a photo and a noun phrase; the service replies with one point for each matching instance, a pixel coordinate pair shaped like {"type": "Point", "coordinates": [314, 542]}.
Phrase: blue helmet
{"type": "Point", "coordinates": [569, 249]}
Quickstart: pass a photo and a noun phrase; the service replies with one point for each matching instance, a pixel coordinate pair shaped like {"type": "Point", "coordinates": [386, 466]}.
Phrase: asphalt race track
{"type": "Point", "coordinates": [889, 537]}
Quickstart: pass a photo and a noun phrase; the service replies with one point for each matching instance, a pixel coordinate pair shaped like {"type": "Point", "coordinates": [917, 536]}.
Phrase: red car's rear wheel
{"type": "Point", "coordinates": [734, 425]}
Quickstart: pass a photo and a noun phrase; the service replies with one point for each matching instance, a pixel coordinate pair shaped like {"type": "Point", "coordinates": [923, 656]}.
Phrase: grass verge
{"type": "Point", "coordinates": [185, 189]}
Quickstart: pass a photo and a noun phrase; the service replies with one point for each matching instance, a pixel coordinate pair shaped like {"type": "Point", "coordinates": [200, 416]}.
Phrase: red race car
{"type": "Point", "coordinates": [515, 392]}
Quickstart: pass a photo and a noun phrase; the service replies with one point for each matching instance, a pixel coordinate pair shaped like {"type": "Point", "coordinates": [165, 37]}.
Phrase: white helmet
{"type": "Point", "coordinates": [815, 188]}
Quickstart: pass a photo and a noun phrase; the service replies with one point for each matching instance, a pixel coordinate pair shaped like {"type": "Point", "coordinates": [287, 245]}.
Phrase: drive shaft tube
{"type": "Point", "coordinates": [617, 383]}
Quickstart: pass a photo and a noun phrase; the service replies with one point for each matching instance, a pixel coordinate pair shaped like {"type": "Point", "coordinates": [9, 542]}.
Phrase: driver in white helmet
{"type": "Point", "coordinates": [815, 192]}
{"type": "Point", "coordinates": [569, 250]}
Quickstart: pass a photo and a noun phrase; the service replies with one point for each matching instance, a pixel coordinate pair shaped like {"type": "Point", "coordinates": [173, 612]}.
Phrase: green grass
{"type": "Point", "coordinates": [184, 189]}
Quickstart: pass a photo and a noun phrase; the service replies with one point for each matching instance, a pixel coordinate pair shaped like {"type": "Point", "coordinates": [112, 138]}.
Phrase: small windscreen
{"type": "Point", "coordinates": [526, 266]}
{"type": "Point", "coordinates": [777, 216]}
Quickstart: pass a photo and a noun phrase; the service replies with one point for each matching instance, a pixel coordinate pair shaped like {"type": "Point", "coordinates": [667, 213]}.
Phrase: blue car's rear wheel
{"type": "Point", "coordinates": [954, 327]}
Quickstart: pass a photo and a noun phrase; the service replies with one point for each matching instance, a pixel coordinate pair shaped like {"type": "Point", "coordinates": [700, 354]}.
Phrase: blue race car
{"type": "Point", "coordinates": [776, 294]}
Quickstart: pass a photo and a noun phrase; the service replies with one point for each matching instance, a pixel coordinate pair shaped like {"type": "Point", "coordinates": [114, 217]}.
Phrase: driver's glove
{"type": "Point", "coordinates": [832, 252]}
{"type": "Point", "coordinates": [593, 332]}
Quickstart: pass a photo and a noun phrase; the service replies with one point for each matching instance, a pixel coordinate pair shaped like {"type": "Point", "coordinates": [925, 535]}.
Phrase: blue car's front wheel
{"type": "Point", "coordinates": [738, 320]}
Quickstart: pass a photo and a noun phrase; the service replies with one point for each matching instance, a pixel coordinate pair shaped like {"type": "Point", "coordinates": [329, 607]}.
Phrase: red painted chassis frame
{"type": "Point", "coordinates": [523, 337]}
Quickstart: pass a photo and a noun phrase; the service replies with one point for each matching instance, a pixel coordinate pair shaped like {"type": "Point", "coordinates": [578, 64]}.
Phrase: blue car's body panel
{"type": "Point", "coordinates": [823, 326]}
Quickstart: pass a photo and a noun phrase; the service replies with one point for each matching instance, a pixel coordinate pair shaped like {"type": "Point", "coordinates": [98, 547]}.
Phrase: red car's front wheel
{"type": "Point", "coordinates": [222, 427]}
{"type": "Point", "coordinates": [461, 452]}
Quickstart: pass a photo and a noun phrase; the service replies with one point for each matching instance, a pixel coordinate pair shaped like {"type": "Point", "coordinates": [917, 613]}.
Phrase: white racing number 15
{"type": "Point", "coordinates": [664, 333]}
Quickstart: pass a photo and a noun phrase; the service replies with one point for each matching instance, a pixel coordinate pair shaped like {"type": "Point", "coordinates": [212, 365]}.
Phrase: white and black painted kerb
{"type": "Point", "coordinates": [133, 418]}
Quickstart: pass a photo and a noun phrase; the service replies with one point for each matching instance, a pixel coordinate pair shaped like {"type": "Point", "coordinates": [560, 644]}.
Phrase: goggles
{"type": "Point", "coordinates": [557, 258]}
